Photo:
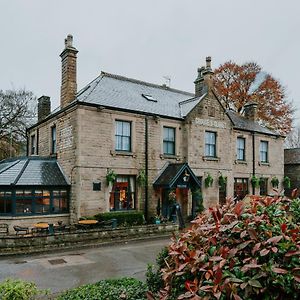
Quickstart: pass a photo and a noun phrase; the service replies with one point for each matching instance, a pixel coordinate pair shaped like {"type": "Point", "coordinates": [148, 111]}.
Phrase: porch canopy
{"type": "Point", "coordinates": [178, 175]}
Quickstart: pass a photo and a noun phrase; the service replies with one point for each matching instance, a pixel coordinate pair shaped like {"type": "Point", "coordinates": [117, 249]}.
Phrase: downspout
{"type": "Point", "coordinates": [253, 160]}
{"type": "Point", "coordinates": [146, 168]}
{"type": "Point", "coordinates": [37, 141]}
{"type": "Point", "coordinates": [27, 142]}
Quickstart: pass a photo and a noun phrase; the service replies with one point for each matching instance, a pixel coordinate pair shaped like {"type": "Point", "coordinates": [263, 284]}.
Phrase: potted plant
{"type": "Point", "coordinates": [208, 181]}
{"type": "Point", "coordinates": [110, 176]}
{"type": "Point", "coordinates": [286, 182]}
{"type": "Point", "coordinates": [255, 181]}
{"type": "Point", "coordinates": [275, 182]}
{"type": "Point", "coordinates": [141, 178]}
{"type": "Point", "coordinates": [222, 181]}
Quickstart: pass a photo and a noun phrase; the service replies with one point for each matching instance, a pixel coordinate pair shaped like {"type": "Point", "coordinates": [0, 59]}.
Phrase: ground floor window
{"type": "Point", "coordinates": [34, 201]}
{"type": "Point", "coordinates": [263, 184]}
{"type": "Point", "coordinates": [5, 202]}
{"type": "Point", "coordinates": [240, 188]}
{"type": "Point", "coordinates": [122, 196]}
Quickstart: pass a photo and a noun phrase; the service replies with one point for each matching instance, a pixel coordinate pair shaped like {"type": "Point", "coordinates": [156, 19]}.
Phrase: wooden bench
{"type": "Point", "coordinates": [3, 229]}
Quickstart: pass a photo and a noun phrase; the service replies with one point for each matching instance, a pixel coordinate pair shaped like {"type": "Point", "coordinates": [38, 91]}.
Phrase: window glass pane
{"type": "Point", "coordinates": [210, 144]}
{"type": "Point", "coordinates": [123, 136]}
{"type": "Point", "coordinates": [23, 206]}
{"type": "Point", "coordinates": [169, 140]}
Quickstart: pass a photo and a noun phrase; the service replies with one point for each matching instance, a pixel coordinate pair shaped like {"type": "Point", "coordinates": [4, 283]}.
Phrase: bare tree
{"type": "Point", "coordinates": [293, 139]}
{"type": "Point", "coordinates": [17, 111]}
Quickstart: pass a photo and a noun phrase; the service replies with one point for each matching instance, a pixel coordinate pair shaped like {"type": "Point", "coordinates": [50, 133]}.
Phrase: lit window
{"type": "Point", "coordinates": [263, 151]}
{"type": "Point", "coordinates": [169, 141]}
{"type": "Point", "coordinates": [123, 136]}
{"type": "Point", "coordinates": [240, 148]}
{"type": "Point", "coordinates": [122, 196]}
{"type": "Point", "coordinates": [210, 144]}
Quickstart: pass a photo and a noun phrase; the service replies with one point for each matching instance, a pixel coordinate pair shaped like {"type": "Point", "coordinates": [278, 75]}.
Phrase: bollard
{"type": "Point", "coordinates": [51, 229]}
{"type": "Point", "coordinates": [114, 223]}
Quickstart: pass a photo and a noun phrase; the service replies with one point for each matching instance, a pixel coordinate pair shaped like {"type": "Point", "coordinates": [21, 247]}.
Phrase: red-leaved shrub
{"type": "Point", "coordinates": [245, 250]}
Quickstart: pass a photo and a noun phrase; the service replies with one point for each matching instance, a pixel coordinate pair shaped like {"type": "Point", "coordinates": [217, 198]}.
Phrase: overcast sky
{"type": "Point", "coordinates": [146, 40]}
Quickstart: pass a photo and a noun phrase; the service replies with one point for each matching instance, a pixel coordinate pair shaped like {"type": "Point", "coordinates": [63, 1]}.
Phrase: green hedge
{"type": "Point", "coordinates": [111, 289]}
{"type": "Point", "coordinates": [16, 289]}
{"type": "Point", "coordinates": [124, 218]}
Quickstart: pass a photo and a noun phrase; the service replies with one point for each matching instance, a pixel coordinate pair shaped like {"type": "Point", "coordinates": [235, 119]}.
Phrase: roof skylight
{"type": "Point", "coordinates": [149, 97]}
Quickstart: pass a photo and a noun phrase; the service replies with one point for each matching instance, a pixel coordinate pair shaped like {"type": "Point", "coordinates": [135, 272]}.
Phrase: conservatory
{"type": "Point", "coordinates": [32, 186]}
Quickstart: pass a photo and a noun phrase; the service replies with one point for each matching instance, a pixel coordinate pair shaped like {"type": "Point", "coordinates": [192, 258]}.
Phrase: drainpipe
{"type": "Point", "coordinates": [146, 168]}
{"type": "Point", "coordinates": [253, 160]}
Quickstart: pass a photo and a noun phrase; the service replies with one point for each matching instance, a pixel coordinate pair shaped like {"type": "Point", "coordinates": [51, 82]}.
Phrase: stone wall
{"type": "Point", "coordinates": [11, 245]}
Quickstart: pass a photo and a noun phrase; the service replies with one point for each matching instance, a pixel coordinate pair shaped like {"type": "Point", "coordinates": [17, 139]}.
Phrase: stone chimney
{"type": "Point", "coordinates": [250, 111]}
{"type": "Point", "coordinates": [68, 73]}
{"type": "Point", "coordinates": [204, 81]}
{"type": "Point", "coordinates": [44, 107]}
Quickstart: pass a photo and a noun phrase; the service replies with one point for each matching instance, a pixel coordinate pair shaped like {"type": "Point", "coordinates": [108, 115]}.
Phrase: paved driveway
{"type": "Point", "coordinates": [63, 270]}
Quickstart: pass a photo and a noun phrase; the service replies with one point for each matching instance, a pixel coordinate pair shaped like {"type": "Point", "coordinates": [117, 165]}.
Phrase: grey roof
{"type": "Point", "coordinates": [240, 122]}
{"type": "Point", "coordinates": [32, 171]}
{"type": "Point", "coordinates": [125, 93]}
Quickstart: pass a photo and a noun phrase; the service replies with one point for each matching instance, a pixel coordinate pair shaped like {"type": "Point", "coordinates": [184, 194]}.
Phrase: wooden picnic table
{"type": "Point", "coordinates": [87, 222]}
{"type": "Point", "coordinates": [41, 225]}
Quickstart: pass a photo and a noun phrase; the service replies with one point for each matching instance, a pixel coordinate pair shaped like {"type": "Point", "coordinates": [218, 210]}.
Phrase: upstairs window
{"type": "Point", "coordinates": [53, 140]}
{"type": "Point", "coordinates": [33, 146]}
{"type": "Point", "coordinates": [123, 136]}
{"type": "Point", "coordinates": [240, 149]}
{"type": "Point", "coordinates": [263, 151]}
{"type": "Point", "coordinates": [210, 144]}
{"type": "Point", "coordinates": [169, 141]}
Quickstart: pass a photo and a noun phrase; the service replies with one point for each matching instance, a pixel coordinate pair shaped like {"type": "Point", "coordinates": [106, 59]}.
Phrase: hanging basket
{"type": "Point", "coordinates": [255, 181]}
{"type": "Point", "coordinates": [275, 182]}
{"type": "Point", "coordinates": [141, 178]}
{"type": "Point", "coordinates": [286, 182]}
{"type": "Point", "coordinates": [208, 181]}
{"type": "Point", "coordinates": [110, 176]}
{"type": "Point", "coordinates": [222, 181]}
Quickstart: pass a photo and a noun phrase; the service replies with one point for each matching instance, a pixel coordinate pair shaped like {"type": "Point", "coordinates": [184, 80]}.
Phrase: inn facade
{"type": "Point", "coordinates": [124, 144]}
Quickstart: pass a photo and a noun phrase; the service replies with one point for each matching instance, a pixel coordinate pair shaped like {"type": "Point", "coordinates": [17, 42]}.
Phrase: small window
{"type": "Point", "coordinates": [263, 151]}
{"type": "Point", "coordinates": [149, 97]}
{"type": "Point", "coordinates": [53, 140]}
{"type": "Point", "coordinates": [263, 184]}
{"type": "Point", "coordinates": [33, 142]}
{"type": "Point", "coordinates": [240, 149]}
{"type": "Point", "coordinates": [123, 136]}
{"type": "Point", "coordinates": [210, 144]}
{"type": "Point", "coordinates": [169, 141]}
{"type": "Point", "coordinates": [240, 188]}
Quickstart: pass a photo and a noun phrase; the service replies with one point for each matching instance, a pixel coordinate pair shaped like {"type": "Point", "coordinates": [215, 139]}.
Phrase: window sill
{"type": "Point", "coordinates": [240, 162]}
{"type": "Point", "coordinates": [210, 158]}
{"type": "Point", "coordinates": [123, 153]}
{"type": "Point", "coordinates": [267, 164]}
{"type": "Point", "coordinates": [168, 156]}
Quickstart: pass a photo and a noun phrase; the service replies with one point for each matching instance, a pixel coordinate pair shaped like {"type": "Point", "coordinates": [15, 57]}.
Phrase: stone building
{"type": "Point", "coordinates": [292, 168]}
{"type": "Point", "coordinates": [152, 139]}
